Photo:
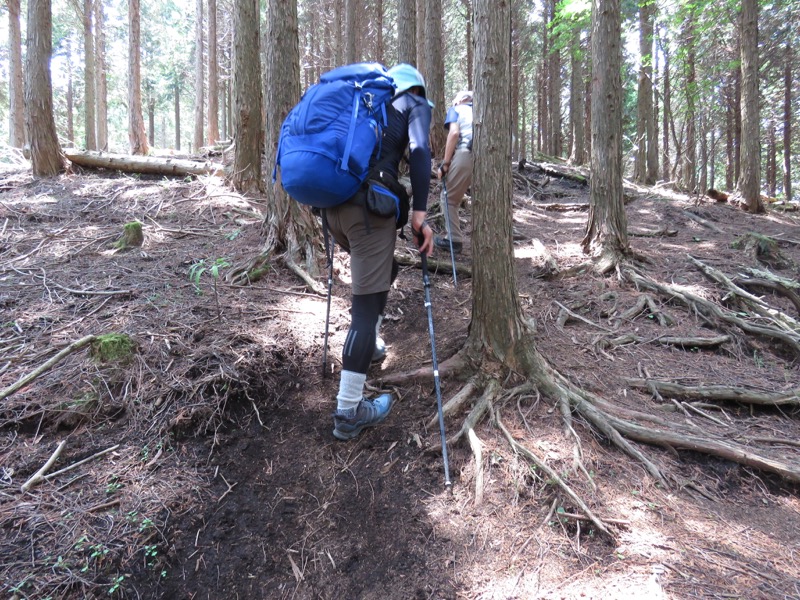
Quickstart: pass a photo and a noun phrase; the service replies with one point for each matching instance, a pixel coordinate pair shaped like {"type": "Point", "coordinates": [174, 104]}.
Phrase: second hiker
{"type": "Point", "coordinates": [456, 169]}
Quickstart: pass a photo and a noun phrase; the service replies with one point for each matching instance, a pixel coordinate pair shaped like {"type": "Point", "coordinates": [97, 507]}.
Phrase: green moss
{"type": "Point", "coordinates": [113, 348]}
{"type": "Point", "coordinates": [132, 236]}
{"type": "Point", "coordinates": [255, 274]}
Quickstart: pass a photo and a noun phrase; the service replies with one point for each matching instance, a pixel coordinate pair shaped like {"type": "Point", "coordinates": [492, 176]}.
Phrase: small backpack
{"type": "Point", "coordinates": [328, 138]}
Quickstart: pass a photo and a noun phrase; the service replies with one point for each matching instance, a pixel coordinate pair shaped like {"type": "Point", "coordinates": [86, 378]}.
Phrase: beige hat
{"type": "Point", "coordinates": [464, 95]}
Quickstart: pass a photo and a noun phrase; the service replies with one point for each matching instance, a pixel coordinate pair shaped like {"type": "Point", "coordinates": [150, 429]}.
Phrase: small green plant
{"type": "Point", "coordinates": [113, 485]}
{"type": "Point", "coordinates": [116, 584]}
{"type": "Point", "coordinates": [196, 272]}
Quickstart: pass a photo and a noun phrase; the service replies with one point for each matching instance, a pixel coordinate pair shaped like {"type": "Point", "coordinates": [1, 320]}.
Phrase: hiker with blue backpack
{"type": "Point", "coordinates": [456, 169]}
{"type": "Point", "coordinates": [365, 118]}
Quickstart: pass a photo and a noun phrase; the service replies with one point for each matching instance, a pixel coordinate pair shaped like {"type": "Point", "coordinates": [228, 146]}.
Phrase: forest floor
{"type": "Point", "coordinates": [221, 478]}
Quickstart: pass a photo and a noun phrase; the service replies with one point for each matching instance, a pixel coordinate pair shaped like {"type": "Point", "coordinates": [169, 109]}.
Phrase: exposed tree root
{"type": "Point", "coordinates": [713, 313]}
{"type": "Point", "coordinates": [667, 340]}
{"type": "Point", "coordinates": [719, 393]}
{"type": "Point", "coordinates": [754, 303]}
{"type": "Point", "coordinates": [552, 475]}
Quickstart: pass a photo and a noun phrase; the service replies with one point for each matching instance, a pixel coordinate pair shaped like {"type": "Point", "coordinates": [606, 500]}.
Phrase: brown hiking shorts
{"type": "Point", "coordinates": [370, 240]}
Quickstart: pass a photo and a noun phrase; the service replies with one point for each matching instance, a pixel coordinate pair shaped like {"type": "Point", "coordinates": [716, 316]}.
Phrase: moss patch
{"type": "Point", "coordinates": [113, 348]}
{"type": "Point", "coordinates": [132, 236]}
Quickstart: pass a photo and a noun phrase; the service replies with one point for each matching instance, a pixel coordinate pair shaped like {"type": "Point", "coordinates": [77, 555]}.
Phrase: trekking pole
{"type": "Point", "coordinates": [329, 246]}
{"type": "Point", "coordinates": [426, 283]}
{"type": "Point", "coordinates": [447, 226]}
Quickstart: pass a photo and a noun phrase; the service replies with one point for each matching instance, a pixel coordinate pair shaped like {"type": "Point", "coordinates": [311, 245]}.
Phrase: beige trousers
{"type": "Point", "coordinates": [458, 180]}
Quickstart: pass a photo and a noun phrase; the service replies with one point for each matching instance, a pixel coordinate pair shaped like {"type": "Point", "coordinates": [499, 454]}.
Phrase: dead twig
{"type": "Point", "coordinates": [39, 475]}
{"type": "Point", "coordinates": [46, 366]}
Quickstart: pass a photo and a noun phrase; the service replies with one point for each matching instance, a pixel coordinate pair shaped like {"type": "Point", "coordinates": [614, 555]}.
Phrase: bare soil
{"type": "Point", "coordinates": [223, 479]}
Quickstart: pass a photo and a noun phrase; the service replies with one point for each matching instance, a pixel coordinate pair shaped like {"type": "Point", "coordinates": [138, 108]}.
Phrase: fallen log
{"type": "Point", "coordinates": [154, 165]}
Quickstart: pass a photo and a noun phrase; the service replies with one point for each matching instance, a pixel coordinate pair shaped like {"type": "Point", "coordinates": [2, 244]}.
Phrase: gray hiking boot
{"type": "Point", "coordinates": [369, 412]}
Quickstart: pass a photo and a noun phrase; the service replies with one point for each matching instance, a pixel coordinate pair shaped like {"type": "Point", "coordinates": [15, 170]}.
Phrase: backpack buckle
{"type": "Point", "coordinates": [368, 97]}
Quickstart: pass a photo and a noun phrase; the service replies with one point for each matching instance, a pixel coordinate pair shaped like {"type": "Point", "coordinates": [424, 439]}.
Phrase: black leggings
{"type": "Point", "coordinates": [360, 343]}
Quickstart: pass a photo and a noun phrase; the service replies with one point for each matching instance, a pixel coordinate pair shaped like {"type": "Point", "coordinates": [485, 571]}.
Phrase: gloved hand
{"type": "Point", "coordinates": [443, 169]}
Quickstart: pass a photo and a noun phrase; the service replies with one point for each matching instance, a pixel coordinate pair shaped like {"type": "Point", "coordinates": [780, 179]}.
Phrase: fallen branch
{"type": "Point", "coordinates": [39, 475]}
{"type": "Point", "coordinates": [81, 462]}
{"type": "Point", "coordinates": [84, 341]}
{"type": "Point", "coordinates": [143, 164]}
{"type": "Point", "coordinates": [434, 264]}
{"type": "Point", "coordinates": [702, 221]}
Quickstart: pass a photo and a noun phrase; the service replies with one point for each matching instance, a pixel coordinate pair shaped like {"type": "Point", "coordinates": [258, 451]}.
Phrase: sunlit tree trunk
{"type": "Point", "coordinates": [288, 226]}
{"type": "Point", "coordinates": [576, 101]}
{"type": "Point", "coordinates": [40, 127]}
{"type": "Point", "coordinates": [101, 72]}
{"type": "Point", "coordinates": [89, 101]}
{"type": "Point", "coordinates": [690, 86]}
{"type": "Point", "coordinates": [644, 169]}
{"type": "Point", "coordinates": [70, 99]}
{"type": "Point", "coordinates": [176, 91]}
{"type": "Point", "coordinates": [606, 238]}
{"type": "Point", "coordinates": [407, 31]}
{"type": "Point", "coordinates": [151, 114]}
{"type": "Point", "coordinates": [497, 326]}
{"type": "Point", "coordinates": [16, 110]}
{"type": "Point", "coordinates": [749, 184]}
{"type": "Point", "coordinates": [787, 122]}
{"type": "Point", "coordinates": [247, 128]}
{"type": "Point", "coordinates": [467, 4]}
{"type": "Point", "coordinates": [350, 28]}
{"type": "Point", "coordinates": [434, 74]}
{"type": "Point", "coordinates": [136, 133]}
{"type": "Point", "coordinates": [199, 77]}
{"type": "Point", "coordinates": [772, 160]}
{"type": "Point", "coordinates": [213, 75]}
{"type": "Point", "coordinates": [379, 49]}
{"type": "Point", "coordinates": [421, 63]}
{"type": "Point", "coordinates": [667, 92]}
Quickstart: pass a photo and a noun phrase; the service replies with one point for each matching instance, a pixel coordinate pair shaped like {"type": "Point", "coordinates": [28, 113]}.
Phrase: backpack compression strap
{"type": "Point", "coordinates": [351, 132]}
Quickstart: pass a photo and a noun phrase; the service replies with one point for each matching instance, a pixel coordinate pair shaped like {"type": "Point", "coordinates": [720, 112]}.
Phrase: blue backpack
{"type": "Point", "coordinates": [328, 138]}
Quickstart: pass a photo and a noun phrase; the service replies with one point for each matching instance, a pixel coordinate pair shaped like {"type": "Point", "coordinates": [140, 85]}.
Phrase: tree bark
{"type": "Point", "coordinates": [689, 162]}
{"type": "Point", "coordinates": [350, 26]}
{"type": "Point", "coordinates": [89, 100]}
{"type": "Point", "coordinates": [406, 31]}
{"type": "Point", "coordinates": [288, 226]}
{"type": "Point", "coordinates": [16, 94]}
{"type": "Point", "coordinates": [136, 133]}
{"type": "Point", "coordinates": [47, 159]}
{"type": "Point", "coordinates": [787, 122]}
{"type": "Point", "coordinates": [199, 77]}
{"type": "Point", "coordinates": [644, 171]}
{"type": "Point", "coordinates": [247, 128]}
{"type": "Point", "coordinates": [497, 326]}
{"type": "Point", "coordinates": [606, 238]}
{"type": "Point", "coordinates": [421, 64]}
{"type": "Point", "coordinates": [213, 75]}
{"type": "Point", "coordinates": [434, 74]}
{"type": "Point", "coordinates": [750, 175]}
{"type": "Point", "coordinates": [576, 101]}
{"type": "Point", "coordinates": [101, 82]}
